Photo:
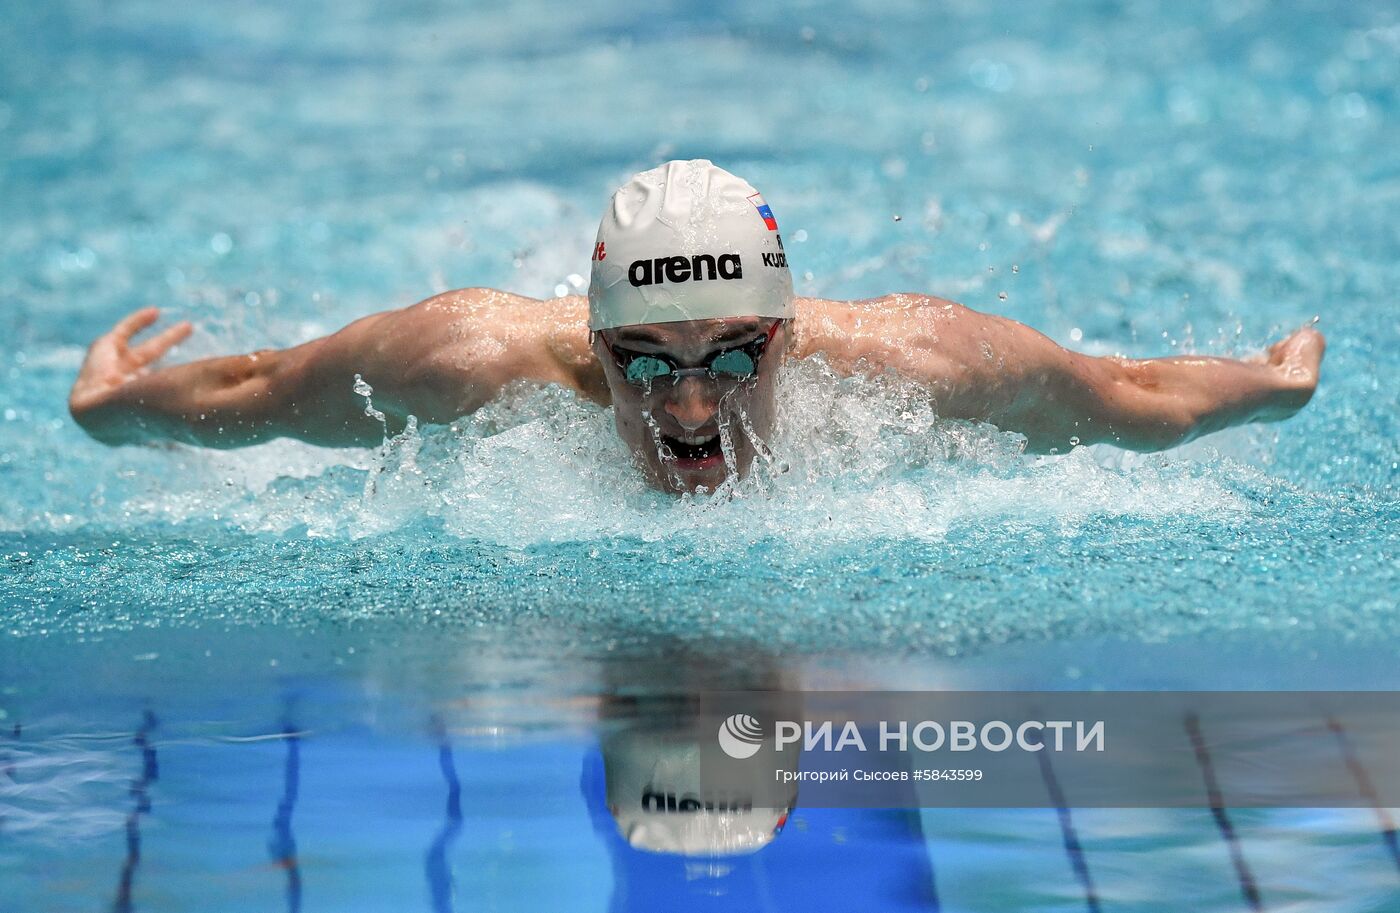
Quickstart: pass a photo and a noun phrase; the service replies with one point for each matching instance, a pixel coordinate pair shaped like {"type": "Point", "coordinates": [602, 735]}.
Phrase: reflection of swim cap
{"type": "Point", "coordinates": [687, 241]}
{"type": "Point", "coordinates": [654, 793]}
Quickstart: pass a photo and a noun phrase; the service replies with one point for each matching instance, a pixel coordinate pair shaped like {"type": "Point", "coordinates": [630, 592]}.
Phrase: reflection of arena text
{"type": "Point", "coordinates": [655, 795]}
{"type": "Point", "coordinates": [652, 752]}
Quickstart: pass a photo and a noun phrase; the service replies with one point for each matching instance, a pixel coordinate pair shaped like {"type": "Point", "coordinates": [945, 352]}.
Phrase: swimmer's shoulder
{"type": "Point", "coordinates": [866, 327]}
{"type": "Point", "coordinates": [485, 338]}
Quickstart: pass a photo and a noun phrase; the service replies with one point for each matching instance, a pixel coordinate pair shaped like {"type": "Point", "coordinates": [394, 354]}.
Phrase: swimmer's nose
{"type": "Point", "coordinates": [692, 403]}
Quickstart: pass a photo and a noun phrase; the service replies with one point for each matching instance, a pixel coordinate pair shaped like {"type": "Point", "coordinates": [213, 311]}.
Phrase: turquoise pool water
{"type": "Point", "coordinates": [231, 679]}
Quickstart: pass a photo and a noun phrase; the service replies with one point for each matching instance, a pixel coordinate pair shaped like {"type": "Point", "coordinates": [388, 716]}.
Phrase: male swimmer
{"type": "Point", "coordinates": [689, 315]}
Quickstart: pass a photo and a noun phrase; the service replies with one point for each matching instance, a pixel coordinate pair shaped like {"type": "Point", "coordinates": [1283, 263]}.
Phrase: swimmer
{"type": "Point", "coordinates": [689, 315]}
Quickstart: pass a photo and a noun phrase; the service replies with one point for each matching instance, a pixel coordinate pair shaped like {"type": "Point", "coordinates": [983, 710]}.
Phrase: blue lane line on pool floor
{"type": "Point", "coordinates": [7, 760]}
{"type": "Point", "coordinates": [283, 845]}
{"type": "Point", "coordinates": [1075, 850]}
{"type": "Point", "coordinates": [1368, 789]}
{"type": "Point", "coordinates": [435, 864]}
{"type": "Point", "coordinates": [1248, 886]}
{"type": "Point", "coordinates": [935, 905]}
{"type": "Point", "coordinates": [7, 766]}
{"type": "Point", "coordinates": [140, 792]}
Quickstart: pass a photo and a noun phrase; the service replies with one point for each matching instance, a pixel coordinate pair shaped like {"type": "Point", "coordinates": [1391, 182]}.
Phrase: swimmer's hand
{"type": "Point", "coordinates": [122, 396]}
{"type": "Point", "coordinates": [113, 362]}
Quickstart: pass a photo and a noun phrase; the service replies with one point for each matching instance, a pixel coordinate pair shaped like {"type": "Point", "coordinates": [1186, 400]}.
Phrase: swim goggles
{"type": "Point", "coordinates": [737, 363]}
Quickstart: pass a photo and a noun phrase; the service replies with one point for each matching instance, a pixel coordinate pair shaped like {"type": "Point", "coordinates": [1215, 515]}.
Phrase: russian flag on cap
{"type": "Point", "coordinates": [763, 210]}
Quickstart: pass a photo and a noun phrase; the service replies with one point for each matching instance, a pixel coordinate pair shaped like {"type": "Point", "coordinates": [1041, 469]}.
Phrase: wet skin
{"type": "Point", "coordinates": [678, 429]}
{"type": "Point", "coordinates": [445, 357]}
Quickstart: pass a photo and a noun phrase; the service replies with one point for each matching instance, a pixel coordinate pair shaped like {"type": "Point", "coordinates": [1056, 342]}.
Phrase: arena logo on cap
{"type": "Point", "coordinates": [684, 269]}
{"type": "Point", "coordinates": [740, 736]}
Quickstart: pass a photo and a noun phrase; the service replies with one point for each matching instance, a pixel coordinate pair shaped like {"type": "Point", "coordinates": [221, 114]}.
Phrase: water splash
{"type": "Point", "coordinates": [364, 389]}
{"type": "Point", "coordinates": [726, 442]}
{"type": "Point", "coordinates": [668, 456]}
{"type": "Point", "coordinates": [848, 458]}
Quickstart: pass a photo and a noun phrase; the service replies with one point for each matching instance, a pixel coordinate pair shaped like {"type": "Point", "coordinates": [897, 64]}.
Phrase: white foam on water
{"type": "Point", "coordinates": [853, 458]}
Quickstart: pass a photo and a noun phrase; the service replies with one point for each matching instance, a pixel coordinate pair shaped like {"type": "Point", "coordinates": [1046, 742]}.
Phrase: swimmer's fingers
{"type": "Point", "coordinates": [153, 348]}
{"type": "Point", "coordinates": [132, 324]}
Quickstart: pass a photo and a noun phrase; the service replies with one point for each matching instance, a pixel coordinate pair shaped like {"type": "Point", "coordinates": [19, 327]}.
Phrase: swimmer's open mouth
{"type": "Point", "coordinates": [694, 454]}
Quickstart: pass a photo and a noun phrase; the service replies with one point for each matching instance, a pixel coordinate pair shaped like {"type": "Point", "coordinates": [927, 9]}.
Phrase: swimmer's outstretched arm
{"type": "Point", "coordinates": [1156, 403]}
{"type": "Point", "coordinates": [437, 360]}
{"type": "Point", "coordinates": [120, 397]}
{"type": "Point", "coordinates": [989, 368]}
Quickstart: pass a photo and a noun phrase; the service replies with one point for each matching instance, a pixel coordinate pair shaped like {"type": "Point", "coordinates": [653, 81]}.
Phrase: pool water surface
{"type": "Point", "coordinates": [297, 677]}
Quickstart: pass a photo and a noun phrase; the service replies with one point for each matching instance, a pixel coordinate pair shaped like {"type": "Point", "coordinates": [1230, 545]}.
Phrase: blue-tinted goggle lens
{"type": "Point", "coordinates": [734, 364]}
{"type": "Point", "coordinates": [645, 368]}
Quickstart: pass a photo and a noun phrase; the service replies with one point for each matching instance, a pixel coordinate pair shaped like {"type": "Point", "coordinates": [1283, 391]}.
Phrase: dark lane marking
{"type": "Point", "coordinates": [140, 793]}
{"type": "Point", "coordinates": [1368, 789]}
{"type": "Point", "coordinates": [283, 845]}
{"type": "Point", "coordinates": [436, 865]}
{"type": "Point", "coordinates": [1248, 886]}
{"type": "Point", "coordinates": [1077, 860]}
{"type": "Point", "coordinates": [8, 768]}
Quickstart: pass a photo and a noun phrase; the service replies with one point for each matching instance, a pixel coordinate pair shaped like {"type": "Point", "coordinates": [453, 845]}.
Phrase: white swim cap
{"type": "Point", "coordinates": [655, 795]}
{"type": "Point", "coordinates": [687, 241]}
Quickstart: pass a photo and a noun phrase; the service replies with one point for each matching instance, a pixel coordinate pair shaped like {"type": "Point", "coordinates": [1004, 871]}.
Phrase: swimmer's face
{"type": "Point", "coordinates": [673, 426]}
